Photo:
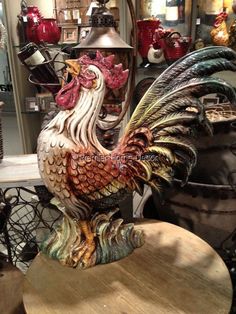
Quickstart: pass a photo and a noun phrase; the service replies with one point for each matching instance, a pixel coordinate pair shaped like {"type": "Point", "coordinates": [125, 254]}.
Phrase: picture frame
{"type": "Point", "coordinates": [31, 104]}
{"type": "Point", "coordinates": [45, 102]}
{"type": "Point", "coordinates": [69, 34]}
{"type": "Point", "coordinates": [210, 100]}
{"type": "Point", "coordinates": [83, 32]}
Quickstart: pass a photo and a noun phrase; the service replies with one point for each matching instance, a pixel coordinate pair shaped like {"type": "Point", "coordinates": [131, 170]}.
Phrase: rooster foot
{"type": "Point", "coordinates": [85, 255]}
{"type": "Point", "coordinates": [86, 243]}
{"type": "Point", "coordinates": [72, 243]}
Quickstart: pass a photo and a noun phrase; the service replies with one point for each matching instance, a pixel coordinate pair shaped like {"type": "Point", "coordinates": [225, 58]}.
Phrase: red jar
{"type": "Point", "coordinates": [48, 31]}
{"type": "Point", "coordinates": [33, 19]}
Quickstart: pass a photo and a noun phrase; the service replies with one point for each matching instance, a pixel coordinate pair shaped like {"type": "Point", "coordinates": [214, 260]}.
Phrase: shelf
{"type": "Point", "coordinates": [151, 71]}
{"type": "Point", "coordinates": [8, 112]}
{"type": "Point", "coordinates": [34, 112]}
{"type": "Point", "coordinates": [74, 24]}
{"type": "Point", "coordinates": [153, 66]}
{"type": "Point", "coordinates": [59, 45]}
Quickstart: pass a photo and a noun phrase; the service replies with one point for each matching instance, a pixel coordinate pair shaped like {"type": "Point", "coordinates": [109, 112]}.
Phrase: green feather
{"type": "Point", "coordinates": [177, 143]}
{"type": "Point", "coordinates": [173, 118]}
{"type": "Point", "coordinates": [163, 151]}
{"type": "Point", "coordinates": [163, 174]}
{"type": "Point", "coordinates": [176, 130]}
{"type": "Point", "coordinates": [216, 59]}
{"type": "Point", "coordinates": [192, 58]}
{"type": "Point", "coordinates": [204, 68]}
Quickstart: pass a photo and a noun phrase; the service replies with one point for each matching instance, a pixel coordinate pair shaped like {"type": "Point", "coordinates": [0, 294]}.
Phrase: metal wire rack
{"type": "Point", "coordinates": [27, 217]}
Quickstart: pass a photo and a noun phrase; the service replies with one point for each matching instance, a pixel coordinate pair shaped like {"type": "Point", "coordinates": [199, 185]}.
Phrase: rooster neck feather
{"type": "Point", "coordinates": [79, 123]}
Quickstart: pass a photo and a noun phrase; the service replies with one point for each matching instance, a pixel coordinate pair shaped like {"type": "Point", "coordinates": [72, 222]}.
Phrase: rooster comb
{"type": "Point", "coordinates": [115, 76]}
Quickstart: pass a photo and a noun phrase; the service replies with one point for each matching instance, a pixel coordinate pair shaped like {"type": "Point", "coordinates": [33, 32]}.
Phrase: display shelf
{"type": "Point", "coordinates": [33, 112]}
{"type": "Point", "coordinates": [30, 122]}
{"type": "Point", "coordinates": [59, 45]}
{"type": "Point", "coordinates": [147, 32]}
{"type": "Point", "coordinates": [8, 112]}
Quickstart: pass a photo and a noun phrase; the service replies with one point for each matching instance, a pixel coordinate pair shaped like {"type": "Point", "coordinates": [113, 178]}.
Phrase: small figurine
{"type": "Point", "coordinates": [219, 33]}
{"type": "Point", "coordinates": [155, 53]}
{"type": "Point", "coordinates": [199, 44]}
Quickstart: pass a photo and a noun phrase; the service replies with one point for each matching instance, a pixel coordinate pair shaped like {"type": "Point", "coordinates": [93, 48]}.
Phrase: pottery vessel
{"type": "Point", "coordinates": [33, 20]}
{"type": "Point", "coordinates": [48, 31]}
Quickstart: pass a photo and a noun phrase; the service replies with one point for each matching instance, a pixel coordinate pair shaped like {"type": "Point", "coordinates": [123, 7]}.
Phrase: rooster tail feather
{"type": "Point", "coordinates": [183, 96]}
{"type": "Point", "coordinates": [200, 63]}
{"type": "Point", "coordinates": [167, 116]}
{"type": "Point", "coordinates": [194, 59]}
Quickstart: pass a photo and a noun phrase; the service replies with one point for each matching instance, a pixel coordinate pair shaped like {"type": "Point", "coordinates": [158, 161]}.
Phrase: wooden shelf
{"type": "Point", "coordinates": [20, 170]}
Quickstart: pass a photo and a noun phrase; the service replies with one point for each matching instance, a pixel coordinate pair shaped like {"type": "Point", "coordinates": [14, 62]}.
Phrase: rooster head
{"type": "Point", "coordinates": [83, 76]}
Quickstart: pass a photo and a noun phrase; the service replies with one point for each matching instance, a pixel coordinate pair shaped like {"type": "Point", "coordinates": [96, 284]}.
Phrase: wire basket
{"type": "Point", "coordinates": [26, 220]}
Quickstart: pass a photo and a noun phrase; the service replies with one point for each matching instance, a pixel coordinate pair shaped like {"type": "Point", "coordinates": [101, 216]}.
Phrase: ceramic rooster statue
{"type": "Point", "coordinates": [89, 180]}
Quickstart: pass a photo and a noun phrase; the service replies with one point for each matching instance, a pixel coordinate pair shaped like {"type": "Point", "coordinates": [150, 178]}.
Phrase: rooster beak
{"type": "Point", "coordinates": [73, 67]}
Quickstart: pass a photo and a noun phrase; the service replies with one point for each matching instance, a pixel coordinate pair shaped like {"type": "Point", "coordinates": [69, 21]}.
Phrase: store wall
{"type": "Point", "coordinates": [29, 125]}
{"type": "Point", "coordinates": [45, 7]}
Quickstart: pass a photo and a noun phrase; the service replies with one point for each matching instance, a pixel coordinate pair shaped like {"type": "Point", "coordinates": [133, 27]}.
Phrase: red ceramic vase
{"type": "Point", "coordinates": [33, 20]}
{"type": "Point", "coordinates": [146, 31]}
{"type": "Point", "coordinates": [48, 31]}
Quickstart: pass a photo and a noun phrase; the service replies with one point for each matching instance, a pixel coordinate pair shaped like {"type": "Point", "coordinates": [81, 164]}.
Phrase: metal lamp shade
{"type": "Point", "coordinates": [108, 41]}
{"type": "Point", "coordinates": [103, 38]}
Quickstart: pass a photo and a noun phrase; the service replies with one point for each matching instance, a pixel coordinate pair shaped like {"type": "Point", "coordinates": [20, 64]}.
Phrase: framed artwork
{"type": "Point", "coordinates": [69, 34]}
{"type": "Point", "coordinates": [31, 104]}
{"type": "Point", "coordinates": [210, 100]}
{"type": "Point", "coordinates": [83, 32]}
{"type": "Point", "coordinates": [45, 101]}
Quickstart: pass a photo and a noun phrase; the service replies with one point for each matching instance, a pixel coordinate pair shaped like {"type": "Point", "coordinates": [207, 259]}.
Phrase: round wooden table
{"type": "Point", "coordinates": [174, 272]}
{"type": "Point", "coordinates": [11, 281]}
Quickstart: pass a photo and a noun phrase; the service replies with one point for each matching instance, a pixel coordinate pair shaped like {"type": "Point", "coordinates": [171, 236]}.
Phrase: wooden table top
{"type": "Point", "coordinates": [19, 170]}
{"type": "Point", "coordinates": [174, 272]}
{"type": "Point", "coordinates": [11, 281]}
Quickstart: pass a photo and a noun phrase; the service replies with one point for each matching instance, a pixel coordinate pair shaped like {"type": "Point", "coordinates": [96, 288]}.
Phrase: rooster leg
{"type": "Point", "coordinates": [89, 244]}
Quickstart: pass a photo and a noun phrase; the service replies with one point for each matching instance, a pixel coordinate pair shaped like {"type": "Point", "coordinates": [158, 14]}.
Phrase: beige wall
{"type": "Point", "coordinates": [14, 10]}
{"type": "Point", "coordinates": [28, 124]}
{"type": "Point", "coordinates": [45, 6]}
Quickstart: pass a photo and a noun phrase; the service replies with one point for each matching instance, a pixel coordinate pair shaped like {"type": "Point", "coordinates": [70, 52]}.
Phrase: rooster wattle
{"type": "Point", "coordinates": [89, 180]}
